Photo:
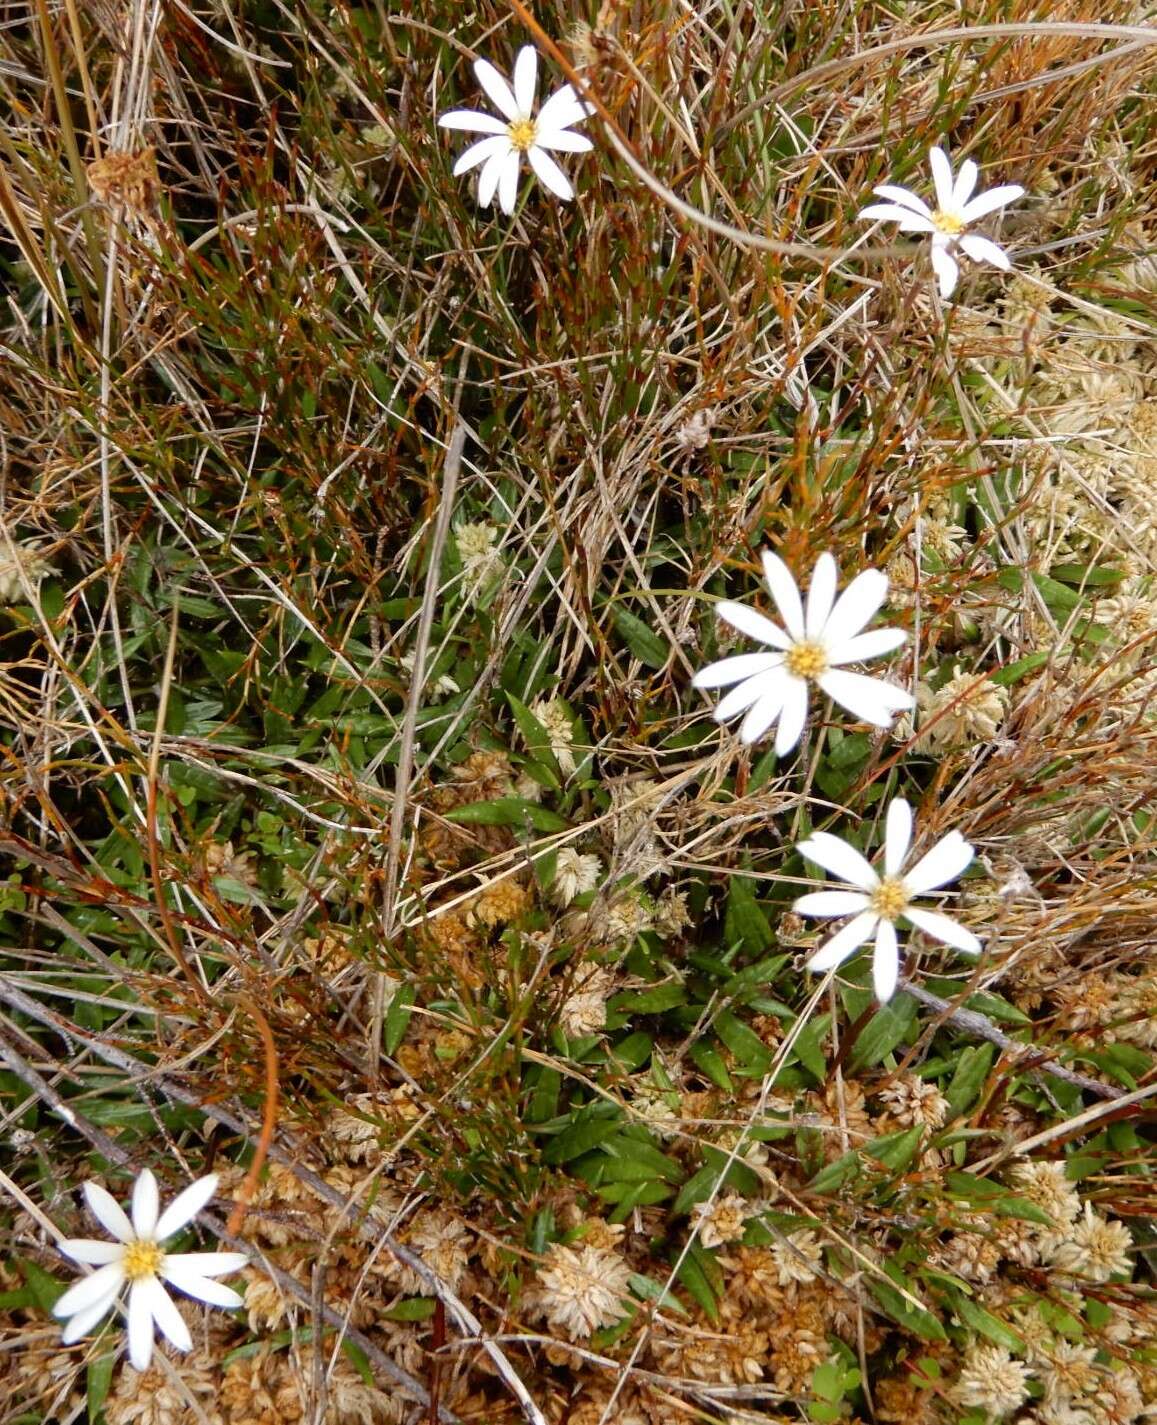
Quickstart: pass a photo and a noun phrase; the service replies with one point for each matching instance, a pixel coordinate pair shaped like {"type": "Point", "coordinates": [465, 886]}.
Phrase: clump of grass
{"type": "Point", "coordinates": [366, 840]}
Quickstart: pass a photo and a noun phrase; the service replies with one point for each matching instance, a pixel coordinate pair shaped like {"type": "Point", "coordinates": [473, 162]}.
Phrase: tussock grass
{"type": "Point", "coordinates": [310, 705]}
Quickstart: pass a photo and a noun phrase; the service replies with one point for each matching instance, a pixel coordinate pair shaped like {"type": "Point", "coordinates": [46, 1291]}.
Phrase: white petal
{"type": "Point", "coordinates": [768, 685]}
{"type": "Point", "coordinates": [985, 203]}
{"type": "Point", "coordinates": [785, 592]}
{"type": "Point", "coordinates": [472, 122]}
{"type": "Point", "coordinates": [792, 717]}
{"type": "Point", "coordinates": [871, 699]}
{"type": "Point", "coordinates": [146, 1205]}
{"type": "Point", "coordinates": [942, 178]}
{"type": "Point", "coordinates": [140, 1324]}
{"type": "Point", "coordinates": [856, 607]}
{"type": "Point", "coordinates": [735, 669]}
{"type": "Point", "coordinates": [103, 1285]}
{"type": "Point", "coordinates": [491, 173]}
{"type": "Point", "coordinates": [508, 182]}
{"type": "Point", "coordinates": [897, 835]}
{"type": "Point", "coordinates": [165, 1314]}
{"type": "Point", "coordinates": [893, 213]}
{"type": "Point", "coordinates": [563, 109]}
{"type": "Point", "coordinates": [525, 78]}
{"type": "Point", "coordinates": [550, 174]}
{"type": "Point", "coordinates": [214, 1293]}
{"type": "Point", "coordinates": [202, 1264]}
{"type": "Point", "coordinates": [982, 249]}
{"type": "Point", "coordinates": [843, 943]}
{"type": "Point", "coordinates": [753, 624]}
{"type": "Point", "coordinates": [185, 1206]}
{"type": "Point", "coordinates": [764, 712]}
{"type": "Point", "coordinates": [831, 903]}
{"type": "Point", "coordinates": [495, 146]}
{"type": "Point", "coordinates": [942, 928]}
{"type": "Point", "coordinates": [903, 198]}
{"type": "Point", "coordinates": [821, 595]}
{"type": "Point", "coordinates": [835, 855]}
{"type": "Point", "coordinates": [83, 1322]}
{"type": "Point", "coordinates": [92, 1252]}
{"type": "Point", "coordinates": [951, 856]}
{"type": "Point", "coordinates": [563, 141]}
{"type": "Point", "coordinates": [108, 1212]}
{"type": "Point", "coordinates": [885, 962]}
{"type": "Point", "coordinates": [497, 90]}
{"type": "Point", "coordinates": [867, 645]}
{"type": "Point", "coordinates": [946, 269]}
{"type": "Point", "coordinates": [965, 185]}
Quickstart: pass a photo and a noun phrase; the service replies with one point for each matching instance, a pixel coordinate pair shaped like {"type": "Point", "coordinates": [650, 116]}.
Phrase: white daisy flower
{"type": "Point", "coordinates": [519, 132]}
{"type": "Point", "coordinates": [138, 1257]}
{"type": "Point", "coordinates": [812, 650]}
{"type": "Point", "coordinates": [955, 210]}
{"type": "Point", "coordinates": [878, 902]}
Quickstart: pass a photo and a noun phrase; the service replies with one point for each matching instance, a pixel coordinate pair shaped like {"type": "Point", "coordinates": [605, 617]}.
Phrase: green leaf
{"type": "Point", "coordinates": [808, 1047]}
{"type": "Point", "coordinates": [653, 1001]}
{"type": "Point", "coordinates": [747, 1047]}
{"type": "Point", "coordinates": [643, 642]}
{"type": "Point", "coordinates": [896, 1150]}
{"type": "Point", "coordinates": [744, 923]}
{"type": "Point", "coordinates": [648, 1289]}
{"type": "Point", "coordinates": [996, 1008]}
{"type": "Point", "coordinates": [1014, 672]}
{"type": "Point", "coordinates": [983, 1321]}
{"type": "Point", "coordinates": [398, 1017]}
{"type": "Point", "coordinates": [887, 1028]}
{"type": "Point", "coordinates": [833, 1177]}
{"type": "Point", "coordinates": [710, 1063]}
{"type": "Point", "coordinates": [635, 1161]}
{"type": "Point", "coordinates": [508, 811]}
{"type": "Point", "coordinates": [98, 1380]}
{"type": "Point", "coordinates": [414, 1308]}
{"type": "Point", "coordinates": [972, 1072]}
{"type": "Point", "coordinates": [589, 1128]}
{"type": "Point", "coordinates": [46, 1290]}
{"type": "Point", "coordinates": [702, 1275]}
{"type": "Point", "coordinates": [536, 737]}
{"type": "Point", "coordinates": [913, 1318]}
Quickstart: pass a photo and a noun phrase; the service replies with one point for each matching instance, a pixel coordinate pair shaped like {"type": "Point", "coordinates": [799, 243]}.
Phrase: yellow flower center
{"type": "Point", "coordinates": [806, 660]}
{"type": "Point", "coordinates": [890, 898]}
{"type": "Point", "coordinates": [522, 133]}
{"type": "Point", "coordinates": [947, 223]}
{"type": "Point", "coordinates": [142, 1259]}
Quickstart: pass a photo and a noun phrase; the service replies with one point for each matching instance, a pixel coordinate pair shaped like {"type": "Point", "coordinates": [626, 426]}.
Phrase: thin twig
{"type": "Point", "coordinates": [979, 1024]}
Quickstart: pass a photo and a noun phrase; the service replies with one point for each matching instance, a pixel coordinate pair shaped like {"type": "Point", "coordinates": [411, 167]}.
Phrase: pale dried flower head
{"type": "Point", "coordinates": [444, 1245]}
{"type": "Point", "coordinates": [912, 1100]}
{"type": "Point", "coordinates": [356, 1137]}
{"type": "Point", "coordinates": [695, 432]}
{"type": "Point", "coordinates": [1069, 1370]}
{"type": "Point", "coordinates": [1092, 1248]}
{"type": "Point", "coordinates": [1046, 1185]}
{"type": "Point", "coordinates": [556, 721]}
{"type": "Point", "coordinates": [584, 1011]}
{"type": "Point", "coordinates": [574, 875]}
{"type": "Point", "coordinates": [798, 1257]}
{"type": "Point", "coordinates": [967, 710]}
{"type": "Point", "coordinates": [21, 565]}
{"type": "Point", "coordinates": [990, 1380]}
{"type": "Point", "coordinates": [582, 1291]}
{"type": "Point", "coordinates": [723, 1220]}
{"type": "Point", "coordinates": [481, 561]}
{"type": "Point", "coordinates": [671, 914]}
